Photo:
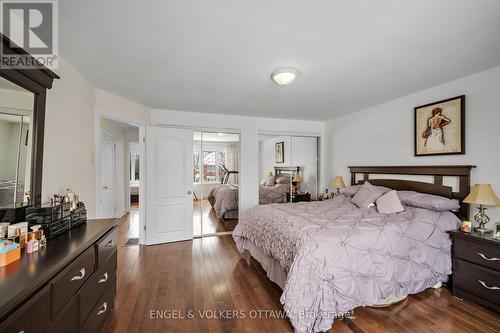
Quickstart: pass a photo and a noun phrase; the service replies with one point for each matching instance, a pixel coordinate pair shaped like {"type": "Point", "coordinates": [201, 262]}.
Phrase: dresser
{"type": "Point", "coordinates": [476, 268]}
{"type": "Point", "coordinates": [68, 286]}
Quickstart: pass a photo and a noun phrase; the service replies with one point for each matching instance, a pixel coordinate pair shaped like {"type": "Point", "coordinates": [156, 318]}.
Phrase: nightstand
{"type": "Point", "coordinates": [299, 197]}
{"type": "Point", "coordinates": [476, 268]}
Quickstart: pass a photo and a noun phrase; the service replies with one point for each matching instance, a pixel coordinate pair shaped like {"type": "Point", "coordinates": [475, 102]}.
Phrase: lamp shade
{"type": "Point", "coordinates": [338, 182]}
{"type": "Point", "coordinates": [482, 194]}
{"type": "Point", "coordinates": [270, 173]}
{"type": "Point", "coordinates": [297, 178]}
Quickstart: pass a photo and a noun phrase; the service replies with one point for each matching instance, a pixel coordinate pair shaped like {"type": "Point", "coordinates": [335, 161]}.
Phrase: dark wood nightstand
{"type": "Point", "coordinates": [299, 197]}
{"type": "Point", "coordinates": [476, 268]}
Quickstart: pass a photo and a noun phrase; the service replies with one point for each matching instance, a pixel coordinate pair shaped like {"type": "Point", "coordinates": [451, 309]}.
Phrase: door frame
{"type": "Point", "coordinates": [100, 199]}
{"type": "Point", "coordinates": [142, 175]}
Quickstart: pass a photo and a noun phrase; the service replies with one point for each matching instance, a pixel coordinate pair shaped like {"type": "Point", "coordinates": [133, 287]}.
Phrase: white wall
{"type": "Point", "coordinates": [69, 149]}
{"type": "Point", "coordinates": [383, 134]}
{"type": "Point", "coordinates": [249, 127]}
{"type": "Point", "coordinates": [73, 112]}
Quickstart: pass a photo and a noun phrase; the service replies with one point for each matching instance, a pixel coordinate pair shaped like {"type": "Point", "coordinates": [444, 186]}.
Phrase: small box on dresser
{"type": "Point", "coordinates": [476, 268]}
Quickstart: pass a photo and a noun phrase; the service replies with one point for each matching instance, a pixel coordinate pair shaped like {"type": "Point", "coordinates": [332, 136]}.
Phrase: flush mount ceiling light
{"type": "Point", "coordinates": [285, 75]}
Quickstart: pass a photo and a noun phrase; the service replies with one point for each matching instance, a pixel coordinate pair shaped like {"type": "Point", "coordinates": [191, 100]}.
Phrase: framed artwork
{"type": "Point", "coordinates": [440, 127]}
{"type": "Point", "coordinates": [279, 152]}
{"type": "Point", "coordinates": [496, 230]}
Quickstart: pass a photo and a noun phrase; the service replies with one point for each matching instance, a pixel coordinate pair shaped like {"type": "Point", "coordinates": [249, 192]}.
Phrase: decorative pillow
{"type": "Point", "coordinates": [389, 203]}
{"type": "Point", "coordinates": [263, 181]}
{"type": "Point", "coordinates": [367, 194]}
{"type": "Point", "coordinates": [283, 179]}
{"type": "Point", "coordinates": [427, 201]}
{"type": "Point", "coordinates": [271, 180]}
{"type": "Point", "coordinates": [351, 190]}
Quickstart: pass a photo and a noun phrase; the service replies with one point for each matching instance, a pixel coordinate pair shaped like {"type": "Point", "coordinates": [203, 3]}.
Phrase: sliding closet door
{"type": "Point", "coordinates": [169, 161]}
{"type": "Point", "coordinates": [304, 156]}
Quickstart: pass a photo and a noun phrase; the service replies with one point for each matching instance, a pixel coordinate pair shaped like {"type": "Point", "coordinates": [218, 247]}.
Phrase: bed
{"type": "Point", "coordinates": [224, 200]}
{"type": "Point", "coordinates": [280, 191]}
{"type": "Point", "coordinates": [330, 257]}
{"type": "Point", "coordinates": [224, 197]}
{"type": "Point", "coordinates": [7, 188]}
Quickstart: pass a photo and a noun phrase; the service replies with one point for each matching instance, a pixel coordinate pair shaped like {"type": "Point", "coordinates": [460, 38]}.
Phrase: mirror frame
{"type": "Point", "coordinates": [37, 81]}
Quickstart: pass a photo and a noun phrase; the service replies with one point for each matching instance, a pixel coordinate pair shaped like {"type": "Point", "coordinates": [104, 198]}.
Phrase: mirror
{"type": "Point", "coordinates": [16, 128]}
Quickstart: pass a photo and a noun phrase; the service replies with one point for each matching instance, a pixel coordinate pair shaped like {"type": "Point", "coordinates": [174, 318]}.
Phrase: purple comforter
{"type": "Point", "coordinates": [338, 257]}
{"type": "Point", "coordinates": [223, 198]}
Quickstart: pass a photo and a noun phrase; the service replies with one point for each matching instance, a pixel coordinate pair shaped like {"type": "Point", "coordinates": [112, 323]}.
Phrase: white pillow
{"type": "Point", "coordinates": [263, 181]}
{"type": "Point", "coordinates": [389, 203]}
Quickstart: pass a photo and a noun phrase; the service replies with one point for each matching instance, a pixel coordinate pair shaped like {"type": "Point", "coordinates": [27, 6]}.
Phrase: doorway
{"type": "Point", "coordinates": [108, 175]}
{"type": "Point", "coordinates": [118, 172]}
{"type": "Point", "coordinates": [216, 157]}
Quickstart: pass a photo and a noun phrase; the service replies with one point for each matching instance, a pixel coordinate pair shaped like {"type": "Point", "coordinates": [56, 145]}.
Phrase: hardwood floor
{"type": "Point", "coordinates": [204, 214]}
{"type": "Point", "coordinates": [208, 274]}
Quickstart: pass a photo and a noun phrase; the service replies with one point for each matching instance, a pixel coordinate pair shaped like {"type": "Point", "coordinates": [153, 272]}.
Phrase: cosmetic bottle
{"type": "Point", "coordinates": [29, 246]}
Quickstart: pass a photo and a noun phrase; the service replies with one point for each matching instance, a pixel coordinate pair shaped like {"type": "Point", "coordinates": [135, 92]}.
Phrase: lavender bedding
{"type": "Point", "coordinates": [337, 256]}
{"type": "Point", "coordinates": [224, 200]}
{"type": "Point", "coordinates": [276, 193]}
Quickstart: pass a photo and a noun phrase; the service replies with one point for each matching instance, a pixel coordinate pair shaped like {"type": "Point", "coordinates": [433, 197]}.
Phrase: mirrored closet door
{"type": "Point", "coordinates": [288, 168]}
{"type": "Point", "coordinates": [215, 182]}
{"type": "Point", "coordinates": [16, 114]}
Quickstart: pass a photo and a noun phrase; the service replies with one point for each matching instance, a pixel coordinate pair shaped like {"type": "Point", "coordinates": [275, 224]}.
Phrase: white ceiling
{"type": "Point", "coordinates": [218, 56]}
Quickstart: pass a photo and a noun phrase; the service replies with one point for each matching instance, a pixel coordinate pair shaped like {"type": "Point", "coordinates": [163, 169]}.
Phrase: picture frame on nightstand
{"type": "Point", "coordinates": [496, 231]}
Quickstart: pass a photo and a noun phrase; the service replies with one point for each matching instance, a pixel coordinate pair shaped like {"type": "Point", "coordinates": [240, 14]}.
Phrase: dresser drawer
{"type": "Point", "coordinates": [100, 311]}
{"type": "Point", "coordinates": [480, 281]}
{"type": "Point", "coordinates": [477, 252]}
{"type": "Point", "coordinates": [34, 316]}
{"type": "Point", "coordinates": [66, 321]}
{"type": "Point", "coordinates": [102, 280]}
{"type": "Point", "coordinates": [106, 246]}
{"type": "Point", "coordinates": [67, 283]}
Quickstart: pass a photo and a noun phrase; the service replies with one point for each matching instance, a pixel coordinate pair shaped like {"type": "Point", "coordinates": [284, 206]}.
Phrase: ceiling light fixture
{"type": "Point", "coordinates": [221, 134]}
{"type": "Point", "coordinates": [285, 75]}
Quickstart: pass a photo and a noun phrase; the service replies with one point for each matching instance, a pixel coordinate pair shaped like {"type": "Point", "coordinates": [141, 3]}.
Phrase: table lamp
{"type": "Point", "coordinates": [338, 183]}
{"type": "Point", "coordinates": [482, 195]}
{"type": "Point", "coordinates": [296, 180]}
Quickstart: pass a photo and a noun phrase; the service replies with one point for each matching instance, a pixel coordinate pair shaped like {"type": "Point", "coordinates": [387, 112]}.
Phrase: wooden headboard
{"type": "Point", "coordinates": [281, 169]}
{"type": "Point", "coordinates": [436, 188]}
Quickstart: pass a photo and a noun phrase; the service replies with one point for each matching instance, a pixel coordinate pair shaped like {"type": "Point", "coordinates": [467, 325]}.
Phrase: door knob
{"type": "Point", "coordinates": [104, 187]}
{"type": "Point", "coordinates": [189, 192]}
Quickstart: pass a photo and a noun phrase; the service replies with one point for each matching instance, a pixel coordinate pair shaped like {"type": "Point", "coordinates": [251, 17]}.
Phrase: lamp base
{"type": "Point", "coordinates": [483, 230]}
{"type": "Point", "coordinates": [482, 219]}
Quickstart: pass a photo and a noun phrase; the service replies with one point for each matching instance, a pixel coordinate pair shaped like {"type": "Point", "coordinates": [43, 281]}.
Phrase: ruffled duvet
{"type": "Point", "coordinates": [338, 257]}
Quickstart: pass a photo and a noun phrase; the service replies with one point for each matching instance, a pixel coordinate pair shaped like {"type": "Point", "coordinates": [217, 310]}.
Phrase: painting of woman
{"type": "Point", "coordinates": [433, 134]}
{"type": "Point", "coordinates": [439, 127]}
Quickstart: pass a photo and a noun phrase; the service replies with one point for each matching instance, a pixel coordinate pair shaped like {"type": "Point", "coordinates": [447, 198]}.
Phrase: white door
{"type": "Point", "coordinates": [108, 157]}
{"type": "Point", "coordinates": [169, 181]}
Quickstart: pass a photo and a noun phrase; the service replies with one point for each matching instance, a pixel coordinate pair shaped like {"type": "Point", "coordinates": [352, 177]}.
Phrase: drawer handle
{"type": "Point", "coordinates": [109, 244]}
{"type": "Point", "coordinates": [104, 279]}
{"type": "Point", "coordinates": [102, 309]}
{"type": "Point", "coordinates": [484, 285]}
{"type": "Point", "coordinates": [80, 275]}
{"type": "Point", "coordinates": [486, 258]}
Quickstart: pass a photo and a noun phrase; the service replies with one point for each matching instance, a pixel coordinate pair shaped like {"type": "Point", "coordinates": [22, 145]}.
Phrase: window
{"type": "Point", "coordinates": [134, 167]}
{"type": "Point", "coordinates": [196, 167]}
{"type": "Point", "coordinates": [211, 170]}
